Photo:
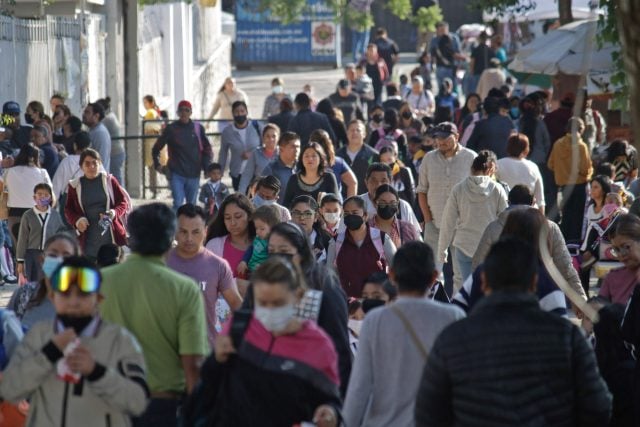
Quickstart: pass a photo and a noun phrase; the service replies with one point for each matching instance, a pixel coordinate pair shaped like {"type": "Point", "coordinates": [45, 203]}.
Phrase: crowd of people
{"type": "Point", "coordinates": [331, 282]}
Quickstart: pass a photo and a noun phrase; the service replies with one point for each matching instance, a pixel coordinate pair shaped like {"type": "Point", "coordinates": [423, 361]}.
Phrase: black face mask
{"type": "Point", "coordinates": [240, 119]}
{"type": "Point", "coordinates": [353, 222]}
{"type": "Point", "coordinates": [77, 323]}
{"type": "Point", "coordinates": [407, 114]}
{"type": "Point", "coordinates": [426, 148]}
{"type": "Point", "coordinates": [369, 304]}
{"type": "Point", "coordinates": [377, 118]}
{"type": "Point", "coordinates": [28, 119]}
{"type": "Point", "coordinates": [387, 212]}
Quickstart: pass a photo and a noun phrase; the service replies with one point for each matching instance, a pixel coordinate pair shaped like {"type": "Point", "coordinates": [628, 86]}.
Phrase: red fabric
{"type": "Point", "coordinates": [355, 264]}
{"type": "Point", "coordinates": [73, 211]}
{"type": "Point", "coordinates": [310, 345]}
{"type": "Point", "coordinates": [184, 103]}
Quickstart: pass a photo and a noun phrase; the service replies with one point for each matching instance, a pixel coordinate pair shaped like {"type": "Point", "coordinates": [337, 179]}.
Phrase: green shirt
{"type": "Point", "coordinates": [165, 312]}
{"type": "Point", "coordinates": [260, 253]}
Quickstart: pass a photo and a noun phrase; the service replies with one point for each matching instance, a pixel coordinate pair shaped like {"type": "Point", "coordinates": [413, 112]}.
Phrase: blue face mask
{"type": "Point", "coordinates": [259, 201]}
{"type": "Point", "coordinates": [514, 112]}
{"type": "Point", "coordinates": [50, 264]}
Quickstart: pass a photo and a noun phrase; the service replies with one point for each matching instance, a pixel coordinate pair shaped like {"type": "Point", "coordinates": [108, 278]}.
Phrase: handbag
{"type": "Point", "coordinates": [412, 333]}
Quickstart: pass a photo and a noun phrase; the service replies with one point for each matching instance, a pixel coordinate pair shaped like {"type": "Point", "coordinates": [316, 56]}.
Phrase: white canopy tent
{"type": "Point", "coordinates": [543, 10]}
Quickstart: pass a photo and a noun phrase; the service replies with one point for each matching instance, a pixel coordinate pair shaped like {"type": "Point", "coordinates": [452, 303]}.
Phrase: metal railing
{"type": "Point", "coordinates": [146, 174]}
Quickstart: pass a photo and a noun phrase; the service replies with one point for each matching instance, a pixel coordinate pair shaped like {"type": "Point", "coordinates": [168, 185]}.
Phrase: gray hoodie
{"type": "Point", "coordinates": [559, 252]}
{"type": "Point", "coordinates": [472, 205]}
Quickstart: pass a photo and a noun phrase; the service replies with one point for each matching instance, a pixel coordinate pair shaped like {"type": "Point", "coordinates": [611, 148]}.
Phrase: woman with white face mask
{"type": "Point", "coordinates": [30, 302]}
{"type": "Point", "coordinates": [287, 348]}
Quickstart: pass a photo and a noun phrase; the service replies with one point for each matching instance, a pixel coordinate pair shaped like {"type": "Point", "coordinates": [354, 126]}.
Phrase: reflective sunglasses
{"type": "Point", "coordinates": [86, 279]}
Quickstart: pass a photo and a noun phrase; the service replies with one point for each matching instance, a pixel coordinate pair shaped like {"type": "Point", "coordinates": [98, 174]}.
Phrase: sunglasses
{"type": "Point", "coordinates": [86, 279]}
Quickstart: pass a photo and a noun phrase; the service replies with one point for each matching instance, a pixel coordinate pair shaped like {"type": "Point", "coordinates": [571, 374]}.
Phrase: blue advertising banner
{"type": "Point", "coordinates": [263, 39]}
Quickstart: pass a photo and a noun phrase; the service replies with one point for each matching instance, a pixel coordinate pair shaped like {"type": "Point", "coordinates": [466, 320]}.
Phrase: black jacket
{"type": "Point", "coordinates": [282, 119]}
{"type": "Point", "coordinates": [511, 364]}
{"type": "Point", "coordinates": [306, 121]}
{"type": "Point", "coordinates": [492, 134]}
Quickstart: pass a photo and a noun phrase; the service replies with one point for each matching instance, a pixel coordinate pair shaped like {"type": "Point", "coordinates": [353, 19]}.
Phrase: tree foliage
{"type": "Point", "coordinates": [608, 33]}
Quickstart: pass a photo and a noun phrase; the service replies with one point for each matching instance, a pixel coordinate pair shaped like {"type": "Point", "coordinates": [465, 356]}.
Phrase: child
{"type": "Point", "coordinates": [264, 218]}
{"type": "Point", "coordinates": [363, 84]}
{"type": "Point", "coordinates": [331, 212]}
{"type": "Point", "coordinates": [356, 316]}
{"type": "Point", "coordinates": [36, 226]}
{"type": "Point", "coordinates": [213, 192]}
{"type": "Point", "coordinates": [77, 370]}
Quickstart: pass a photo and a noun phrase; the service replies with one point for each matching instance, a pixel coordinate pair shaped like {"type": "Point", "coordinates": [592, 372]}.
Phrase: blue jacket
{"type": "Point", "coordinates": [306, 121]}
{"type": "Point", "coordinates": [492, 134]}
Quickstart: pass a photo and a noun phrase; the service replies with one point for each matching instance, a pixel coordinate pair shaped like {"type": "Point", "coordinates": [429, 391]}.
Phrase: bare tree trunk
{"type": "Point", "coordinates": [628, 17]}
{"type": "Point", "coordinates": [564, 10]}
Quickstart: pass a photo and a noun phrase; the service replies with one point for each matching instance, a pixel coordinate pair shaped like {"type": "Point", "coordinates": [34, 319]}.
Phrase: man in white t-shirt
{"type": "Point", "coordinates": [421, 100]}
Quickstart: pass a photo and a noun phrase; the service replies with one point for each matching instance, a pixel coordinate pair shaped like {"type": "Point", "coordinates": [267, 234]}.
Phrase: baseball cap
{"type": "Point", "coordinates": [184, 104]}
{"type": "Point", "coordinates": [343, 84]}
{"type": "Point", "coordinates": [418, 79]}
{"type": "Point", "coordinates": [444, 130]}
{"type": "Point", "coordinates": [11, 107]}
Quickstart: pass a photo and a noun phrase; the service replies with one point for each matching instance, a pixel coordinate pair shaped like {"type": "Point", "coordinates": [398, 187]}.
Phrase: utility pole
{"type": "Point", "coordinates": [132, 99]}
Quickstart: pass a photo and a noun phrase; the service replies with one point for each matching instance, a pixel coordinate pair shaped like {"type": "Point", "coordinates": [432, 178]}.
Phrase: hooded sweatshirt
{"type": "Point", "coordinates": [473, 204]}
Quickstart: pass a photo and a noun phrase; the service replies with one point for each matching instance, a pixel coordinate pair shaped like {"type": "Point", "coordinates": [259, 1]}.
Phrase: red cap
{"type": "Point", "coordinates": [184, 103]}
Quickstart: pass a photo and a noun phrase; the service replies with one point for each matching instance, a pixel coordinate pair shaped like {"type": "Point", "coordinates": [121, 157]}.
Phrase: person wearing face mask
{"type": "Point", "coordinates": [75, 351]}
{"type": "Point", "coordinates": [360, 249]}
{"type": "Point", "coordinates": [278, 338]}
{"type": "Point", "coordinates": [376, 117]}
{"type": "Point", "coordinates": [401, 177]}
{"type": "Point", "coordinates": [189, 153]}
{"type": "Point", "coordinates": [272, 101]}
{"type": "Point", "coordinates": [410, 124]}
{"type": "Point", "coordinates": [267, 191]}
{"type": "Point", "coordinates": [390, 133]}
{"type": "Point", "coordinates": [387, 201]}
{"type": "Point", "coordinates": [29, 302]}
{"type": "Point", "coordinates": [237, 143]}
{"type": "Point", "coordinates": [36, 226]}
{"type": "Point", "coordinates": [331, 213]}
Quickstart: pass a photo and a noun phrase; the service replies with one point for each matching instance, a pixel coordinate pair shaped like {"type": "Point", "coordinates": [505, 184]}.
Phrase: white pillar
{"type": "Point", "coordinates": [132, 98]}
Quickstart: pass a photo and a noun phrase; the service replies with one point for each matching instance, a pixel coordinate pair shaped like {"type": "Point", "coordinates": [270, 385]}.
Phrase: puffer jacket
{"type": "Point", "coordinates": [511, 364]}
{"type": "Point", "coordinates": [109, 400]}
{"type": "Point", "coordinates": [558, 248]}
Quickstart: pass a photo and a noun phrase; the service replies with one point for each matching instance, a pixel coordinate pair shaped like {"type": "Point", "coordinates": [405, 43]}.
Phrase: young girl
{"type": "Point", "coordinates": [94, 369]}
{"type": "Point", "coordinates": [264, 218]}
{"type": "Point", "coordinates": [304, 212]}
{"type": "Point", "coordinates": [36, 226]}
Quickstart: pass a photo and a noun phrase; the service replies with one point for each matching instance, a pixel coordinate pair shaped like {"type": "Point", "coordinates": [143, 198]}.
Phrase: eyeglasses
{"type": "Point", "coordinates": [618, 251]}
{"type": "Point", "coordinates": [87, 279]}
{"type": "Point", "coordinates": [303, 215]}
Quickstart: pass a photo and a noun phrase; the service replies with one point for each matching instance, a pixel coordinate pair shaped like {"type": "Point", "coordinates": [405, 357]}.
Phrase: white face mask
{"type": "Point", "coordinates": [274, 319]}
{"type": "Point", "coordinates": [278, 89]}
{"type": "Point", "coordinates": [332, 218]}
{"type": "Point", "coordinates": [355, 326]}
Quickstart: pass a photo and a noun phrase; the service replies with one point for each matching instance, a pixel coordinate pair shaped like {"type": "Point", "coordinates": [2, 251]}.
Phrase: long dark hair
{"type": "Point", "coordinates": [217, 228]}
{"type": "Point", "coordinates": [530, 119]}
{"type": "Point", "coordinates": [298, 239]}
{"type": "Point", "coordinates": [525, 224]}
{"type": "Point", "coordinates": [465, 110]}
{"type": "Point", "coordinates": [322, 164]}
{"type": "Point", "coordinates": [28, 153]}
{"type": "Point", "coordinates": [605, 183]}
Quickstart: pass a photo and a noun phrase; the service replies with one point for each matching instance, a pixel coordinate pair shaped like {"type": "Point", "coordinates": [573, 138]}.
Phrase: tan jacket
{"type": "Point", "coordinates": [109, 400]}
{"type": "Point", "coordinates": [560, 162]}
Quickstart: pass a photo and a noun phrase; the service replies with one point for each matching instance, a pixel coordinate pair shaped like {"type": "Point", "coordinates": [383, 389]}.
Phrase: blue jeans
{"type": "Point", "coordinates": [464, 263]}
{"type": "Point", "coordinates": [117, 167]}
{"type": "Point", "coordinates": [359, 42]}
{"type": "Point", "coordinates": [183, 189]}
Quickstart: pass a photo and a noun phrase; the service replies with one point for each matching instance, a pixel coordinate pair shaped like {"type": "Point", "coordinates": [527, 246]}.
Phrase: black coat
{"type": "Point", "coordinates": [512, 364]}
{"type": "Point", "coordinates": [306, 121]}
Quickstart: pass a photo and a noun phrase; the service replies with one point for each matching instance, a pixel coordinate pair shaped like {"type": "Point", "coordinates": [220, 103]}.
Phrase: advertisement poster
{"type": "Point", "coordinates": [263, 39]}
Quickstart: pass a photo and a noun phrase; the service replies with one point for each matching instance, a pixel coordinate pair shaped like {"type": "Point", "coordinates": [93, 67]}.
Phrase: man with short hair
{"type": "Point", "coordinates": [239, 139]}
{"type": "Point", "coordinates": [92, 117]}
{"type": "Point", "coordinates": [516, 365]}
{"type": "Point", "coordinates": [347, 101]}
{"type": "Point", "coordinates": [387, 48]}
{"type": "Point", "coordinates": [212, 273]}
{"type": "Point", "coordinates": [163, 309]}
{"type": "Point", "coordinates": [284, 166]}
{"type": "Point", "coordinates": [356, 153]}
{"type": "Point", "coordinates": [70, 129]}
{"type": "Point", "coordinates": [376, 68]}
{"type": "Point", "coordinates": [493, 132]}
{"type": "Point", "coordinates": [267, 193]}
{"type": "Point", "coordinates": [379, 174]}
{"type": "Point", "coordinates": [56, 100]}
{"type": "Point", "coordinates": [440, 170]}
{"type": "Point", "coordinates": [394, 343]}
{"type": "Point", "coordinates": [189, 154]}
{"type": "Point", "coordinates": [306, 121]}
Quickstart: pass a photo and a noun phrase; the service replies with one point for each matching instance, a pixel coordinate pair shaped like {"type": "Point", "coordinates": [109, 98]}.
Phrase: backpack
{"type": "Point", "coordinates": [388, 140]}
{"type": "Point", "coordinates": [377, 237]}
{"type": "Point", "coordinates": [127, 199]}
